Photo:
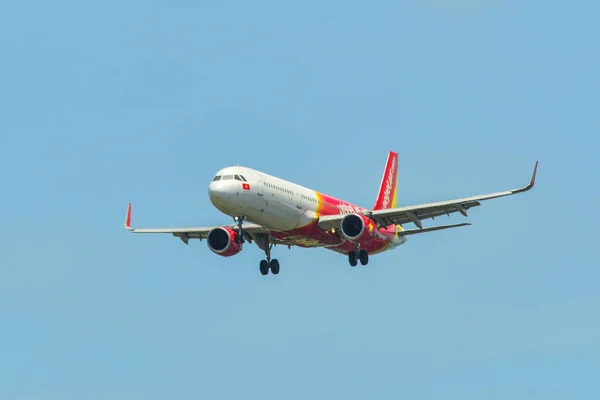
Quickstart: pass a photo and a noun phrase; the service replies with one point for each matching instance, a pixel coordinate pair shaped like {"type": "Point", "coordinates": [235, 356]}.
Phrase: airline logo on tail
{"type": "Point", "coordinates": [388, 188]}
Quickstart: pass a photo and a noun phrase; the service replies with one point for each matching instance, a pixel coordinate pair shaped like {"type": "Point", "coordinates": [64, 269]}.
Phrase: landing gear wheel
{"type": "Point", "coordinates": [274, 264]}
{"type": "Point", "coordinates": [364, 257]}
{"type": "Point", "coordinates": [352, 259]}
{"type": "Point", "coordinates": [264, 267]}
{"type": "Point", "coordinates": [267, 264]}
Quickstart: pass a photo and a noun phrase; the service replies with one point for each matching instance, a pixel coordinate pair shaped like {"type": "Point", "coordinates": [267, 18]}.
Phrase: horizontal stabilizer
{"type": "Point", "coordinates": [433, 228]}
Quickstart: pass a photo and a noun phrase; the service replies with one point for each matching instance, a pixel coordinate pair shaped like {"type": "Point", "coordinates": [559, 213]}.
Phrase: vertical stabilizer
{"type": "Point", "coordinates": [389, 184]}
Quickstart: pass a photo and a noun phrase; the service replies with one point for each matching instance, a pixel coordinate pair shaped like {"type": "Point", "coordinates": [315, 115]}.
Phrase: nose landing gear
{"type": "Point", "coordinates": [239, 238]}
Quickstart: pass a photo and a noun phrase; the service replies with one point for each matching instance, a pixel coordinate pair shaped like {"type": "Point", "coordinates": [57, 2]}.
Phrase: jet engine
{"type": "Point", "coordinates": [358, 228]}
{"type": "Point", "coordinates": [221, 241]}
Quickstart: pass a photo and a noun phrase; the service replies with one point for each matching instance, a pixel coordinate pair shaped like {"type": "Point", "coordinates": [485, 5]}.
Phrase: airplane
{"type": "Point", "coordinates": [270, 211]}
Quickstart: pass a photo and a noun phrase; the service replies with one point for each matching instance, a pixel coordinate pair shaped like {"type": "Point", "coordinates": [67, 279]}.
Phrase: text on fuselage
{"type": "Point", "coordinates": [349, 209]}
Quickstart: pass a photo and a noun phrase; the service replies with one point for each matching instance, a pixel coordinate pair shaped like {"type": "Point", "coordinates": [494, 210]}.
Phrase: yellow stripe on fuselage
{"type": "Point", "coordinates": [395, 195]}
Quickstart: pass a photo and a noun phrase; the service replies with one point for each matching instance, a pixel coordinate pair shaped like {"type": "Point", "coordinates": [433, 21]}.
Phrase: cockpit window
{"type": "Point", "coordinates": [229, 177]}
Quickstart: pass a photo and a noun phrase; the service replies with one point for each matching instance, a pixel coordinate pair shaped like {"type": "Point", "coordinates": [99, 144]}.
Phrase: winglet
{"type": "Point", "coordinates": [128, 218]}
{"type": "Point", "coordinates": [531, 182]}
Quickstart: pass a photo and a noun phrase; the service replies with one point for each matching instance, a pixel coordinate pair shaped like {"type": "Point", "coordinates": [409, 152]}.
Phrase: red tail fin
{"type": "Point", "coordinates": [389, 184]}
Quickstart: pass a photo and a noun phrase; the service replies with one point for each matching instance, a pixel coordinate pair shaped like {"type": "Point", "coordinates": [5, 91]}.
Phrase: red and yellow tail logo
{"type": "Point", "coordinates": [389, 184]}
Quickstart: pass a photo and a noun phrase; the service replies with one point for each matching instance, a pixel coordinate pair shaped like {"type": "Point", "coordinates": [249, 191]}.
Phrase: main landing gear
{"type": "Point", "coordinates": [267, 264]}
{"type": "Point", "coordinates": [362, 255]}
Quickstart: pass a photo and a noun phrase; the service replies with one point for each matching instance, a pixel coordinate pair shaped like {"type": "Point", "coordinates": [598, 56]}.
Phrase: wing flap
{"type": "Point", "coordinates": [404, 215]}
{"type": "Point", "coordinates": [431, 229]}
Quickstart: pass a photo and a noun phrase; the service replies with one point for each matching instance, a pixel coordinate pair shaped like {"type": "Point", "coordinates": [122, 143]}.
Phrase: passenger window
{"type": "Point", "coordinates": [237, 178]}
{"type": "Point", "coordinates": [217, 178]}
{"type": "Point", "coordinates": [227, 177]}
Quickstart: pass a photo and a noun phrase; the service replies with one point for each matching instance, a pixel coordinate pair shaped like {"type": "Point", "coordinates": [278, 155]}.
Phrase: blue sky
{"type": "Point", "coordinates": [116, 102]}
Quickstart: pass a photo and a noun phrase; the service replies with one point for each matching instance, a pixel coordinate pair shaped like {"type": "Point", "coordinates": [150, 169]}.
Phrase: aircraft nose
{"type": "Point", "coordinates": [219, 191]}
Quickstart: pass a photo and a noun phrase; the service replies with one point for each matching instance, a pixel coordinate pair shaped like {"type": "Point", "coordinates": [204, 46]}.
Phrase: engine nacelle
{"type": "Point", "coordinates": [221, 241]}
{"type": "Point", "coordinates": [358, 228]}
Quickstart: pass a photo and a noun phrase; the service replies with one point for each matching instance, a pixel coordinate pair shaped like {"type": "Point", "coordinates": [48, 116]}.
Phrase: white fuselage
{"type": "Point", "coordinates": [270, 201]}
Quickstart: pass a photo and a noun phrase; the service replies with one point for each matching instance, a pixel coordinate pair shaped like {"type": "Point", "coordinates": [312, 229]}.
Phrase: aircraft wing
{"type": "Point", "coordinates": [417, 213]}
{"type": "Point", "coordinates": [251, 231]}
